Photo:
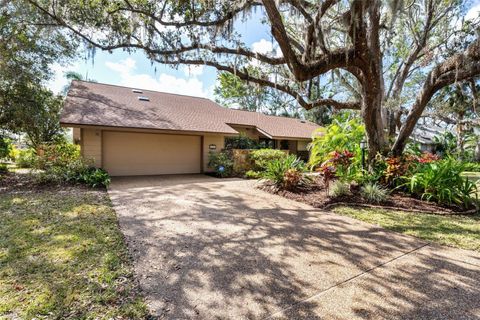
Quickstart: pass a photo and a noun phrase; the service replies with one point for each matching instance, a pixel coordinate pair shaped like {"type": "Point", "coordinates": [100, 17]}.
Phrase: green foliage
{"type": "Point", "coordinates": [221, 162]}
{"type": "Point", "coordinates": [340, 188]}
{"type": "Point", "coordinates": [374, 193]}
{"type": "Point", "coordinates": [63, 163]}
{"type": "Point", "coordinates": [442, 182]}
{"type": "Point", "coordinates": [26, 158]}
{"type": "Point", "coordinates": [3, 168]}
{"type": "Point", "coordinates": [5, 147]}
{"type": "Point", "coordinates": [94, 177]}
{"type": "Point", "coordinates": [262, 157]}
{"type": "Point", "coordinates": [286, 172]}
{"type": "Point", "coordinates": [339, 136]}
{"type": "Point", "coordinates": [471, 166]}
{"type": "Point", "coordinates": [29, 46]}
{"type": "Point", "coordinates": [241, 141]}
{"type": "Point", "coordinates": [250, 174]}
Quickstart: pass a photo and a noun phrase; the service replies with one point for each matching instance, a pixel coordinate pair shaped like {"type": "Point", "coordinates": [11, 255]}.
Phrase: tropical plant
{"type": "Point", "coordinates": [441, 181]}
{"type": "Point", "coordinates": [262, 157]}
{"type": "Point", "coordinates": [221, 162]}
{"type": "Point", "coordinates": [250, 174]}
{"type": "Point", "coordinates": [340, 188]}
{"type": "Point", "coordinates": [286, 172]}
{"type": "Point", "coordinates": [374, 193]}
{"type": "Point", "coordinates": [344, 134]}
{"type": "Point", "coordinates": [94, 177]}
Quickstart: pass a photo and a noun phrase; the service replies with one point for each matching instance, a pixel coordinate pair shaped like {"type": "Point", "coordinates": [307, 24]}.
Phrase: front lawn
{"type": "Point", "coordinates": [62, 256]}
{"type": "Point", "coordinates": [453, 230]}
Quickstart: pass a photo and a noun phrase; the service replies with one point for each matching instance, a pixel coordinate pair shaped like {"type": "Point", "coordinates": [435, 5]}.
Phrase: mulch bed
{"type": "Point", "coordinates": [11, 183]}
{"type": "Point", "coordinates": [316, 196]}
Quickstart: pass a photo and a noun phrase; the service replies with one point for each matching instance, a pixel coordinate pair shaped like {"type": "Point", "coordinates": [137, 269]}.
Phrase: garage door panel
{"type": "Point", "coordinates": [127, 153]}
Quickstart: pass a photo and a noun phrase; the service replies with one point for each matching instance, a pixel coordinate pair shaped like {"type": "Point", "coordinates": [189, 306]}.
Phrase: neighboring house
{"type": "Point", "coordinates": [139, 132]}
{"type": "Point", "coordinates": [425, 135]}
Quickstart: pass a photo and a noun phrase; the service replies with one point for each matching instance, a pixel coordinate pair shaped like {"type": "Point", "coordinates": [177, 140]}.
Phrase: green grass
{"type": "Point", "coordinates": [62, 256]}
{"type": "Point", "coordinates": [456, 231]}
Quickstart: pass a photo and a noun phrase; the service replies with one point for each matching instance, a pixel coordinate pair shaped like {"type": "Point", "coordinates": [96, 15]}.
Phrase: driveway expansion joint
{"type": "Point", "coordinates": [358, 275]}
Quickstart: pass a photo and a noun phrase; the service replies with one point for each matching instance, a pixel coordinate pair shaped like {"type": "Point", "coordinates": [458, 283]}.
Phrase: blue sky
{"type": "Point", "coordinates": [135, 70]}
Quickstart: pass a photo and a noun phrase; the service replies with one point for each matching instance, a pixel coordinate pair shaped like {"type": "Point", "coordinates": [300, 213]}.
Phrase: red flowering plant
{"type": "Point", "coordinates": [342, 162]}
{"type": "Point", "coordinates": [327, 170]}
{"type": "Point", "coordinates": [428, 157]}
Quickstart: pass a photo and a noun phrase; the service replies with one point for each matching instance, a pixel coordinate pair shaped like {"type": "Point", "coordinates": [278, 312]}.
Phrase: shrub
{"type": "Point", "coordinates": [3, 168]}
{"type": "Point", "coordinates": [26, 158]}
{"type": "Point", "coordinates": [63, 163]}
{"type": "Point", "coordinates": [5, 147]}
{"type": "Point", "coordinates": [13, 153]}
{"type": "Point", "coordinates": [342, 134]}
{"type": "Point", "coordinates": [60, 155]}
{"type": "Point", "coordinates": [95, 177]}
{"type": "Point", "coordinates": [286, 172]}
{"type": "Point", "coordinates": [442, 182]}
{"type": "Point", "coordinates": [221, 162]}
{"type": "Point", "coordinates": [472, 166]}
{"type": "Point", "coordinates": [340, 188]}
{"type": "Point", "coordinates": [262, 157]}
{"type": "Point", "coordinates": [374, 193]}
{"type": "Point", "coordinates": [250, 174]}
{"type": "Point", "coordinates": [241, 142]}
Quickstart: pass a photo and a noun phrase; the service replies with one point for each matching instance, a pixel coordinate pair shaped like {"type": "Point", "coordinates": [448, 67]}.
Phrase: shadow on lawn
{"type": "Point", "coordinates": [207, 248]}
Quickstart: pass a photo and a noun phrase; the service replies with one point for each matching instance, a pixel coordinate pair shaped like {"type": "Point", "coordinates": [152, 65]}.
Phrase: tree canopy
{"type": "Point", "coordinates": [30, 43]}
{"type": "Point", "coordinates": [389, 57]}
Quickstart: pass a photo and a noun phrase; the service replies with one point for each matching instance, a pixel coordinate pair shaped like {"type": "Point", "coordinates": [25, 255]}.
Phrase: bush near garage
{"type": "Point", "coordinates": [63, 163]}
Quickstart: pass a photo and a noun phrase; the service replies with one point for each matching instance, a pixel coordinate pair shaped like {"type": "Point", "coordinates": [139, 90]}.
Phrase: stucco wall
{"type": "Point", "coordinates": [218, 140]}
{"type": "Point", "coordinates": [91, 145]}
{"type": "Point", "coordinates": [302, 145]}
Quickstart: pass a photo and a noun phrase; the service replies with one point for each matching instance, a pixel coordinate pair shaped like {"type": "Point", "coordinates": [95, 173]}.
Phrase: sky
{"type": "Point", "coordinates": [135, 70]}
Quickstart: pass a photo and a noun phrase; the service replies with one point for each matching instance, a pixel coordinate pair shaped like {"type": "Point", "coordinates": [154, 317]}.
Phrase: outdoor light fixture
{"type": "Point", "coordinates": [212, 147]}
{"type": "Point", "coordinates": [363, 147]}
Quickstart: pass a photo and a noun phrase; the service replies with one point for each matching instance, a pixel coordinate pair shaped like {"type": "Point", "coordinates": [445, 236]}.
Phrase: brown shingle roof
{"type": "Point", "coordinates": [99, 104]}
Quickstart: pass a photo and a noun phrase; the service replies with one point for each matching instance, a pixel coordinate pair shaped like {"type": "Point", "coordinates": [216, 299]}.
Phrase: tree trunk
{"type": "Point", "coordinates": [372, 117]}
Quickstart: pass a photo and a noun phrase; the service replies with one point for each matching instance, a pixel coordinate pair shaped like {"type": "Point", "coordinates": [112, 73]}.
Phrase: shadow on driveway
{"type": "Point", "coordinates": [212, 248]}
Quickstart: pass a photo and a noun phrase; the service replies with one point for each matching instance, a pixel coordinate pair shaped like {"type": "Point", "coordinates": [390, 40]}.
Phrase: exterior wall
{"type": "Point", "coordinates": [91, 145]}
{"type": "Point", "coordinates": [76, 135]}
{"type": "Point", "coordinates": [252, 133]}
{"type": "Point", "coordinates": [302, 145]}
{"type": "Point", "coordinates": [218, 140]}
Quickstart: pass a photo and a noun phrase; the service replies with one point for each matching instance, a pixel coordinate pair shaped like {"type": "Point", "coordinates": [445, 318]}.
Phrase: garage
{"type": "Point", "coordinates": [132, 154]}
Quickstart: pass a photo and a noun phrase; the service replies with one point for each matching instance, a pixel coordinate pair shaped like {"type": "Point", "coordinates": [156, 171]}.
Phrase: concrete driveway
{"type": "Point", "coordinates": [207, 248]}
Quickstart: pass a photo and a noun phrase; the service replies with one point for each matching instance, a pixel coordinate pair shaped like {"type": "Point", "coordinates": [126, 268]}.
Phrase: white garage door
{"type": "Point", "coordinates": [130, 154]}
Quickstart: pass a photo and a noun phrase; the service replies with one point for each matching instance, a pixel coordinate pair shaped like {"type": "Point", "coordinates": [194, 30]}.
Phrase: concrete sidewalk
{"type": "Point", "coordinates": [207, 248]}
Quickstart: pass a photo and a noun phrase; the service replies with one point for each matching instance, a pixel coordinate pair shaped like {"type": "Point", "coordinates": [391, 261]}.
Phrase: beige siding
{"type": "Point", "coordinates": [218, 141]}
{"type": "Point", "coordinates": [76, 135]}
{"type": "Point", "coordinates": [128, 154]}
{"type": "Point", "coordinates": [302, 145]}
{"type": "Point", "coordinates": [91, 144]}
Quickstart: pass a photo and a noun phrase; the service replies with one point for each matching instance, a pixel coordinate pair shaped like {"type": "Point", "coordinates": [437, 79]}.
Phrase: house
{"type": "Point", "coordinates": [139, 132]}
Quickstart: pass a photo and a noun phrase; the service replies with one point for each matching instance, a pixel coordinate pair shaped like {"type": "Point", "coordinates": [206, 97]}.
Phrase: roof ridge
{"type": "Point", "coordinates": [132, 88]}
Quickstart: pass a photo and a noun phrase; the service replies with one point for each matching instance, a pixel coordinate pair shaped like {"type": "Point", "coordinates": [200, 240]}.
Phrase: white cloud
{"type": "Point", "coordinates": [473, 13]}
{"type": "Point", "coordinates": [58, 82]}
{"type": "Point", "coordinates": [263, 46]}
{"type": "Point", "coordinates": [164, 82]}
{"type": "Point", "coordinates": [193, 70]}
